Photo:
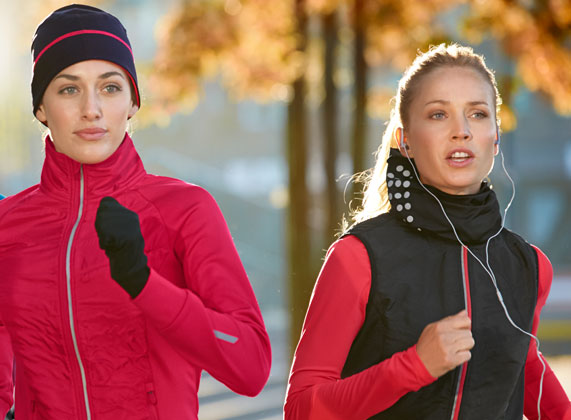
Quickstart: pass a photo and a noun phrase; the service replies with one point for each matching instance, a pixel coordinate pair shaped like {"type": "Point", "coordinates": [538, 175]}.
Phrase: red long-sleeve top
{"type": "Point", "coordinates": [335, 316]}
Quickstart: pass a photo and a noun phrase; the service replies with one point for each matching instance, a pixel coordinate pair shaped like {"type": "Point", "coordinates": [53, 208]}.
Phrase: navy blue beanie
{"type": "Point", "coordinates": [77, 33]}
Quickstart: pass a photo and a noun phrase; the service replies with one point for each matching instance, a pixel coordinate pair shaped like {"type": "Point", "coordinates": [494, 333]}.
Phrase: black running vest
{"type": "Point", "coordinates": [421, 274]}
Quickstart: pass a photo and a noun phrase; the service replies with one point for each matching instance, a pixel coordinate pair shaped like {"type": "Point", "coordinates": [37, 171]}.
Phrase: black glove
{"type": "Point", "coordinates": [120, 237]}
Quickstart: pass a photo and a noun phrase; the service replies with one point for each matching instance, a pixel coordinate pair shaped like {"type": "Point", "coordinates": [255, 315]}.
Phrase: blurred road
{"type": "Point", "coordinates": [555, 327]}
{"type": "Point", "coordinates": [218, 403]}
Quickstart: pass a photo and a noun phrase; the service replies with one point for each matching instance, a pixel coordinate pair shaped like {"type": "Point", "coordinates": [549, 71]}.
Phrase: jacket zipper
{"type": "Point", "coordinates": [468, 305]}
{"type": "Point", "coordinates": [69, 300]}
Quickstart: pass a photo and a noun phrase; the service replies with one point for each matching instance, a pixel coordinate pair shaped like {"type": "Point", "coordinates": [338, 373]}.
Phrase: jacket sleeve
{"type": "Point", "coordinates": [215, 320]}
{"type": "Point", "coordinates": [554, 402]}
{"type": "Point", "coordinates": [6, 365]}
{"type": "Point", "coordinates": [334, 317]}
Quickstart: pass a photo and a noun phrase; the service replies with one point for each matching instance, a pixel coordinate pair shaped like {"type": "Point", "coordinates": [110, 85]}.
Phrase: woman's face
{"type": "Point", "coordinates": [452, 129]}
{"type": "Point", "coordinates": [86, 107]}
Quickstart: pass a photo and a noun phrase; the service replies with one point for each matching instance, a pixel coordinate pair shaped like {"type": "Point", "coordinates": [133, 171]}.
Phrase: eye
{"type": "Point", "coordinates": [68, 90]}
{"type": "Point", "coordinates": [438, 115]}
{"type": "Point", "coordinates": [112, 88]}
{"type": "Point", "coordinates": [480, 115]}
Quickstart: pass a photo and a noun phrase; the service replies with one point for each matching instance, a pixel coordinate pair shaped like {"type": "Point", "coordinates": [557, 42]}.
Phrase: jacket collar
{"type": "Point", "coordinates": [476, 217]}
{"type": "Point", "coordinates": [60, 174]}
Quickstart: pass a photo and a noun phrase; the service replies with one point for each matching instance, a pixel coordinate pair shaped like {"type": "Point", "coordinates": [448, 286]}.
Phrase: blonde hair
{"type": "Point", "coordinates": [375, 194]}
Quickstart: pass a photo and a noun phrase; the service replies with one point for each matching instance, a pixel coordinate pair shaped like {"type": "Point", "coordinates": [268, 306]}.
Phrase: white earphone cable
{"type": "Point", "coordinates": [487, 268]}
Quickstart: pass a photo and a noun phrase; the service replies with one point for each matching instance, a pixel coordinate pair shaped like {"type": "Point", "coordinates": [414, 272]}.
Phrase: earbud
{"type": "Point", "coordinates": [497, 136]}
{"type": "Point", "coordinates": [400, 138]}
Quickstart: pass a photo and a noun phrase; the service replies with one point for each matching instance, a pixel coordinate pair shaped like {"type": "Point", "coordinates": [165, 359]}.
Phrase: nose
{"type": "Point", "coordinates": [461, 129]}
{"type": "Point", "coordinates": [91, 106]}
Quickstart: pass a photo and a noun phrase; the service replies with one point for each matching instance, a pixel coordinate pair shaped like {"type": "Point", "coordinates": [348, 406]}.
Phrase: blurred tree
{"type": "Point", "coordinates": [360, 87]}
{"type": "Point", "coordinates": [537, 35]}
{"type": "Point", "coordinates": [329, 123]}
{"type": "Point", "coordinates": [298, 236]}
{"type": "Point", "coordinates": [267, 51]}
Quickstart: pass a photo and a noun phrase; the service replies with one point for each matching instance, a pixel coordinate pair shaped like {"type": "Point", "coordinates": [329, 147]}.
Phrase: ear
{"type": "Point", "coordinates": [497, 141]}
{"type": "Point", "coordinates": [41, 115]}
{"type": "Point", "coordinates": [132, 111]}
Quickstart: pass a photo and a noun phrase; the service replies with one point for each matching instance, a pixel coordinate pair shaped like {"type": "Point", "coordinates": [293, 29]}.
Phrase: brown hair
{"type": "Point", "coordinates": [375, 194]}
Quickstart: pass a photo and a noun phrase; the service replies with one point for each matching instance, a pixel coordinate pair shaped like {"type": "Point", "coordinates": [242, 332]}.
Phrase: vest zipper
{"type": "Point", "coordinates": [69, 300]}
{"type": "Point", "coordinates": [468, 306]}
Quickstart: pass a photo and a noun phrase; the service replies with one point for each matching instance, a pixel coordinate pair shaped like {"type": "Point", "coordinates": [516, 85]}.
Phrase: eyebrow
{"type": "Point", "coordinates": [442, 101]}
{"type": "Point", "coordinates": [109, 74]}
{"type": "Point", "coordinates": [76, 78]}
{"type": "Point", "coordinates": [67, 76]}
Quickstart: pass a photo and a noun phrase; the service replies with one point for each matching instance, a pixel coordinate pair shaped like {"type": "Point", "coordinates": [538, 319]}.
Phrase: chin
{"type": "Point", "coordinates": [97, 154]}
{"type": "Point", "coordinates": [91, 159]}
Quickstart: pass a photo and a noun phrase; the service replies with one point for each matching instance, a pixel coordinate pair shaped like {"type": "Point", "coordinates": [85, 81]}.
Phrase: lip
{"type": "Point", "coordinates": [91, 133]}
{"type": "Point", "coordinates": [460, 163]}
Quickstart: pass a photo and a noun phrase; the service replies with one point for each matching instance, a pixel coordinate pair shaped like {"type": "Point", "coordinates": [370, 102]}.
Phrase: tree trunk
{"type": "Point", "coordinates": [329, 121]}
{"type": "Point", "coordinates": [298, 239]}
{"type": "Point", "coordinates": [359, 98]}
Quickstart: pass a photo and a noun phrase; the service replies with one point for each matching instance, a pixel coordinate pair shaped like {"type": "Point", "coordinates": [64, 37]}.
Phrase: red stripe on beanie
{"type": "Point", "coordinates": [134, 85]}
{"type": "Point", "coordinates": [85, 31]}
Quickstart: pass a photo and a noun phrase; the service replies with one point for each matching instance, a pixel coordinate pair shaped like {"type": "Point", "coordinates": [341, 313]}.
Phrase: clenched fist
{"type": "Point", "coordinates": [120, 237]}
{"type": "Point", "coordinates": [446, 344]}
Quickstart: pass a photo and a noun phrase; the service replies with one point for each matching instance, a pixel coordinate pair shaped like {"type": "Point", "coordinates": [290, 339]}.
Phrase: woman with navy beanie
{"type": "Point", "coordinates": [118, 287]}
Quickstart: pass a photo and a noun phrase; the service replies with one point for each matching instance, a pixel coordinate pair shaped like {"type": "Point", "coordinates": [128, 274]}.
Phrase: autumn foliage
{"type": "Point", "coordinates": [252, 44]}
{"type": "Point", "coordinates": [536, 37]}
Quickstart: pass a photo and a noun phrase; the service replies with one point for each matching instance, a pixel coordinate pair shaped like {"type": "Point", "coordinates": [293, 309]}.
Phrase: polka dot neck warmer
{"type": "Point", "coordinates": [476, 217]}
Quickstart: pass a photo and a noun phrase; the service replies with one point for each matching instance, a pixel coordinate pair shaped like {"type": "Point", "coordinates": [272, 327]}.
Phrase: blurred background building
{"type": "Point", "coordinates": [239, 146]}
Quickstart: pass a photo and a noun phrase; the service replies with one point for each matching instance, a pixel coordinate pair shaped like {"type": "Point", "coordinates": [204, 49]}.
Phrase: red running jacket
{"type": "Point", "coordinates": [83, 349]}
